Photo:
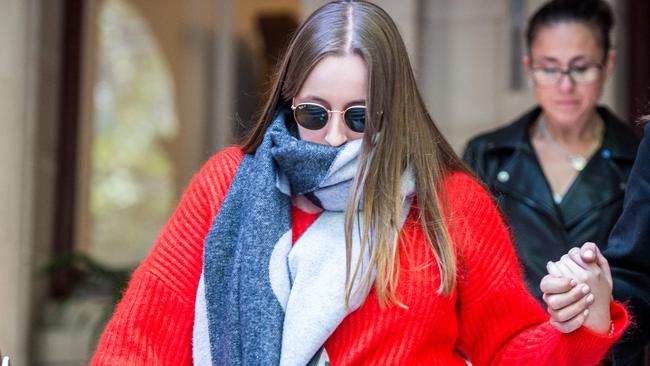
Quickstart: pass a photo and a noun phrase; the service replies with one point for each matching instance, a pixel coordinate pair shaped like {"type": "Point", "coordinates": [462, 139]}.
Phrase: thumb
{"type": "Point", "coordinates": [604, 266]}
{"type": "Point", "coordinates": [589, 252]}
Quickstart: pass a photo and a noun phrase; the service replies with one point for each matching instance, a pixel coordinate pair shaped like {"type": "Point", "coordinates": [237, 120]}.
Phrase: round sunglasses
{"type": "Point", "coordinates": [314, 116]}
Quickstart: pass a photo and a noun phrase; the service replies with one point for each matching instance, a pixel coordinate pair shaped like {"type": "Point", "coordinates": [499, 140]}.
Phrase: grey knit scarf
{"type": "Point", "coordinates": [262, 300]}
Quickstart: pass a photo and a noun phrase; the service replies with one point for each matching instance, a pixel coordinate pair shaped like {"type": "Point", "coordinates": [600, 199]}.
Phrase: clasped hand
{"type": "Point", "coordinates": [578, 289]}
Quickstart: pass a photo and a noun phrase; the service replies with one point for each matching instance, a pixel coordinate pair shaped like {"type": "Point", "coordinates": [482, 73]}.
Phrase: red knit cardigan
{"type": "Point", "coordinates": [490, 317]}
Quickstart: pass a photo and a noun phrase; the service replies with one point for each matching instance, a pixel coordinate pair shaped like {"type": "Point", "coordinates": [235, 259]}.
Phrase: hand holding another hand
{"type": "Point", "coordinates": [578, 290]}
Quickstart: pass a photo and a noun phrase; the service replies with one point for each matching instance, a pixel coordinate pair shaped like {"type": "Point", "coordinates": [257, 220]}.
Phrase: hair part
{"type": "Point", "coordinates": [399, 133]}
{"type": "Point", "coordinates": [596, 14]}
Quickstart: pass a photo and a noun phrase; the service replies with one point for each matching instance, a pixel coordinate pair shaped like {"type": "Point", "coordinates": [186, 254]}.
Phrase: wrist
{"type": "Point", "coordinates": [602, 324]}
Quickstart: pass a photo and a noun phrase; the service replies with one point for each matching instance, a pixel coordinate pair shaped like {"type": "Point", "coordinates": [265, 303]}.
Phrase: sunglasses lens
{"type": "Point", "coordinates": [310, 116]}
{"type": "Point", "coordinates": [355, 118]}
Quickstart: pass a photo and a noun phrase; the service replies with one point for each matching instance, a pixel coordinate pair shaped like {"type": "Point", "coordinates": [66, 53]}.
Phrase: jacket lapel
{"type": "Point", "coordinates": [520, 175]}
{"type": "Point", "coordinates": [602, 181]}
{"type": "Point", "coordinates": [526, 184]}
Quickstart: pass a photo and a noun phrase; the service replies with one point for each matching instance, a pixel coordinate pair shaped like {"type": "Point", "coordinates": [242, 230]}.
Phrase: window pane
{"type": "Point", "coordinates": [135, 122]}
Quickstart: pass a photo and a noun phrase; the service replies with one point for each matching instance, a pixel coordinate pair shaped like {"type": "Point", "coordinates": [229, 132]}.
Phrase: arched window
{"type": "Point", "coordinates": [131, 177]}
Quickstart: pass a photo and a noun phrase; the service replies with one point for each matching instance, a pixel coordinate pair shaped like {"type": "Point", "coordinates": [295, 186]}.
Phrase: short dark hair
{"type": "Point", "coordinates": [596, 14]}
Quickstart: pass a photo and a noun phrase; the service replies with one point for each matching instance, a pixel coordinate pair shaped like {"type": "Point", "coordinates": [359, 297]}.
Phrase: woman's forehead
{"type": "Point", "coordinates": [337, 78]}
{"type": "Point", "coordinates": [566, 41]}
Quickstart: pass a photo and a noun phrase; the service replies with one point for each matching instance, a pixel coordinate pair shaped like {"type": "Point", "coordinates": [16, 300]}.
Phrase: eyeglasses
{"type": "Point", "coordinates": [551, 76]}
{"type": "Point", "coordinates": [314, 116]}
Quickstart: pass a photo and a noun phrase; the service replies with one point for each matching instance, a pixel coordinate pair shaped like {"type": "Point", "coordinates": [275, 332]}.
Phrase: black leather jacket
{"type": "Point", "coordinates": [543, 230]}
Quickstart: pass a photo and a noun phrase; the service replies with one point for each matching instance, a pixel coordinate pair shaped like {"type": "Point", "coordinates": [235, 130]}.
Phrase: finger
{"type": "Point", "coordinates": [562, 300]}
{"type": "Point", "coordinates": [579, 272]}
{"type": "Point", "coordinates": [570, 325]}
{"type": "Point", "coordinates": [588, 252]}
{"type": "Point", "coordinates": [553, 269]}
{"type": "Point", "coordinates": [572, 310]}
{"type": "Point", "coordinates": [564, 269]}
{"type": "Point", "coordinates": [556, 285]}
{"type": "Point", "coordinates": [602, 262]}
{"type": "Point", "coordinates": [574, 254]}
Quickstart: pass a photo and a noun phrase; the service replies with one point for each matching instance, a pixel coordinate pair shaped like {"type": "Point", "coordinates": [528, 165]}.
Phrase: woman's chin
{"type": "Point", "coordinates": [564, 116]}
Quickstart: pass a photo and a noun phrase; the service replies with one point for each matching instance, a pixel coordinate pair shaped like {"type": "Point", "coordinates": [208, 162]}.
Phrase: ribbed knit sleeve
{"type": "Point", "coordinates": [152, 324]}
{"type": "Point", "coordinates": [500, 322]}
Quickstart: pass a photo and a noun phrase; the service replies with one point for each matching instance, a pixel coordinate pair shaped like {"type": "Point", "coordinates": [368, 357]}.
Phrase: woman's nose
{"type": "Point", "coordinates": [336, 134]}
{"type": "Point", "coordinates": [566, 83]}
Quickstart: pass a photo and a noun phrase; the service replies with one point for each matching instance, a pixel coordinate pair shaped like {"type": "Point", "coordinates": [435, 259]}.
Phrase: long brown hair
{"type": "Point", "coordinates": [399, 133]}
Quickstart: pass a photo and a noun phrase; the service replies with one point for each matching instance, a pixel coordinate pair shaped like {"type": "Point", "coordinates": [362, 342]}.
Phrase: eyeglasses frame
{"type": "Point", "coordinates": [567, 72]}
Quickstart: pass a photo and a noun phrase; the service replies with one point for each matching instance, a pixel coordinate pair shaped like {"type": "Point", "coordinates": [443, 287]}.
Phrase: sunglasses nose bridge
{"type": "Point", "coordinates": [331, 117]}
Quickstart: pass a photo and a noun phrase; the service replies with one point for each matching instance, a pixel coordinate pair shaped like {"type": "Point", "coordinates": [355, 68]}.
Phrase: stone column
{"type": "Point", "coordinates": [18, 69]}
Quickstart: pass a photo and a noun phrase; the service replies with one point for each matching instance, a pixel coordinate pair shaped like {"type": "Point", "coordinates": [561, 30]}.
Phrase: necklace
{"type": "Point", "coordinates": [577, 161]}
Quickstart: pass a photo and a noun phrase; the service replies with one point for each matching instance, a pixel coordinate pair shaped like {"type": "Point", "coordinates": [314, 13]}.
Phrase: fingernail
{"type": "Point", "coordinates": [590, 298]}
{"type": "Point", "coordinates": [573, 283]}
{"type": "Point", "coordinates": [585, 289]}
{"type": "Point", "coordinates": [589, 254]}
{"type": "Point", "coordinates": [586, 312]}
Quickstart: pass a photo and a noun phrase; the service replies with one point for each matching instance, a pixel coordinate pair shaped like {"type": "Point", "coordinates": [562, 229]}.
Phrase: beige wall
{"type": "Point", "coordinates": [464, 71]}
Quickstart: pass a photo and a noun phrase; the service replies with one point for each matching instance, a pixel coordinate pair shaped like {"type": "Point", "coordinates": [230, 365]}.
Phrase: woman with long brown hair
{"type": "Point", "coordinates": [343, 231]}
